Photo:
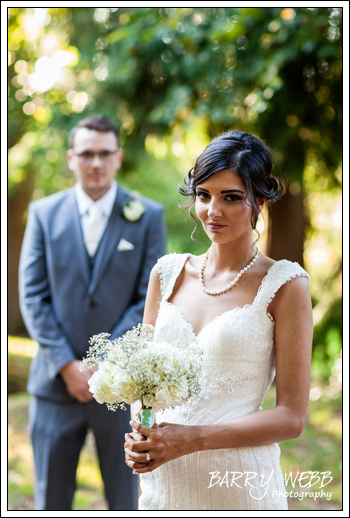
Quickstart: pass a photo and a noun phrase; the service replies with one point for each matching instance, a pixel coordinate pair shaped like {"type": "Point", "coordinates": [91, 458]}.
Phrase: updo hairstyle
{"type": "Point", "coordinates": [249, 158]}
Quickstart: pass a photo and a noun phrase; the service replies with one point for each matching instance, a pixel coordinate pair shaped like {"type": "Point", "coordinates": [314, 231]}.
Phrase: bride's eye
{"type": "Point", "coordinates": [233, 197]}
{"type": "Point", "coordinates": [202, 195]}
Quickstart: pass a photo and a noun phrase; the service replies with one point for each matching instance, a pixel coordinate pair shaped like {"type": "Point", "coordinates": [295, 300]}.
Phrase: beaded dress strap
{"type": "Point", "coordinates": [278, 274]}
{"type": "Point", "coordinates": [170, 267]}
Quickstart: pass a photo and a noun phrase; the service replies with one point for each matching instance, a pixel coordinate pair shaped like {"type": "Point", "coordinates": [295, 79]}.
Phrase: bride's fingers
{"type": "Point", "coordinates": [145, 469]}
{"type": "Point", "coordinates": [138, 427]}
{"type": "Point", "coordinates": [137, 457]}
{"type": "Point", "coordinates": [131, 439]}
{"type": "Point", "coordinates": [142, 429]}
{"type": "Point", "coordinates": [135, 465]}
{"type": "Point", "coordinates": [136, 436]}
{"type": "Point", "coordinates": [164, 424]}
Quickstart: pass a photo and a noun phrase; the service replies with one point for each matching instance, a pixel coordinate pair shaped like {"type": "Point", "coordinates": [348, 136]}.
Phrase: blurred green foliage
{"type": "Point", "coordinates": [327, 340]}
{"type": "Point", "coordinates": [318, 449]}
{"type": "Point", "coordinates": [171, 79]}
{"type": "Point", "coordinates": [275, 71]}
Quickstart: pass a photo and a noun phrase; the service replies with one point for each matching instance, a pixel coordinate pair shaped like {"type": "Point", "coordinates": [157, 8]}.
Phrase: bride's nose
{"type": "Point", "coordinates": [214, 209]}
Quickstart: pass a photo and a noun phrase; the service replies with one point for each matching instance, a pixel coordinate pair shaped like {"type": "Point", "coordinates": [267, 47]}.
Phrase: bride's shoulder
{"type": "Point", "coordinates": [175, 258]}
{"type": "Point", "coordinates": [179, 265]}
{"type": "Point", "coordinates": [171, 256]}
{"type": "Point", "coordinates": [289, 269]}
{"type": "Point", "coordinates": [170, 265]}
{"type": "Point", "coordinates": [281, 268]}
{"type": "Point", "coordinates": [171, 259]}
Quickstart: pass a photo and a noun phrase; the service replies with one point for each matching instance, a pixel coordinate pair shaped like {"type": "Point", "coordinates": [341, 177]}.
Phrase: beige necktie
{"type": "Point", "coordinates": [94, 228]}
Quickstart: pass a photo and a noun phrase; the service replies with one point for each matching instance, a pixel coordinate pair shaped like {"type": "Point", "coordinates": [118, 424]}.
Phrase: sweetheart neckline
{"type": "Point", "coordinates": [246, 306]}
{"type": "Point", "coordinates": [178, 310]}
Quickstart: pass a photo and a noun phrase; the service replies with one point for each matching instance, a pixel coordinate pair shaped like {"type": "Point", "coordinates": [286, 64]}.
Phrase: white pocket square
{"type": "Point", "coordinates": [124, 245]}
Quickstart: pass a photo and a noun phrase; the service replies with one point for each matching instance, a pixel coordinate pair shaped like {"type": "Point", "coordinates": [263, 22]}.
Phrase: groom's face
{"type": "Point", "coordinates": [95, 160]}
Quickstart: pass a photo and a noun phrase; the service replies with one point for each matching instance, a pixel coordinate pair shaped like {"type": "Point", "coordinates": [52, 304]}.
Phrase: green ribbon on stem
{"type": "Point", "coordinates": [147, 417]}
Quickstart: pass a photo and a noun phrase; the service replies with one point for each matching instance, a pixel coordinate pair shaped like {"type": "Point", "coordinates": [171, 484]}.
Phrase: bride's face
{"type": "Point", "coordinates": [222, 207]}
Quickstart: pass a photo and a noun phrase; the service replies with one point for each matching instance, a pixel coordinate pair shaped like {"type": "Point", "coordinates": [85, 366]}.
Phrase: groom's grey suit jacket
{"type": "Point", "coordinates": [64, 300]}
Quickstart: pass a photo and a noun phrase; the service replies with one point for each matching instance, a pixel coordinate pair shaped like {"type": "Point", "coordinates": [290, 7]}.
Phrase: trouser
{"type": "Point", "coordinates": [58, 433]}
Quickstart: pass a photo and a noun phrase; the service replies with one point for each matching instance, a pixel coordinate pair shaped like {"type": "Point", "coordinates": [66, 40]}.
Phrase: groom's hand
{"type": "Point", "coordinates": [77, 381]}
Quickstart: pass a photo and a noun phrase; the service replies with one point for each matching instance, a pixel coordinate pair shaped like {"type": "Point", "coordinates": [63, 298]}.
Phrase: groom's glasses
{"type": "Point", "coordinates": [87, 156]}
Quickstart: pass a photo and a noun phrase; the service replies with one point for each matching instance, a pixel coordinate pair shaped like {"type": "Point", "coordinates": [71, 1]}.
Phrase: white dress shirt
{"type": "Point", "coordinates": [84, 201]}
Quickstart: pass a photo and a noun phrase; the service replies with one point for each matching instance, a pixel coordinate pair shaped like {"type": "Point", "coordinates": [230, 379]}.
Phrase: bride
{"type": "Point", "coordinates": [252, 317]}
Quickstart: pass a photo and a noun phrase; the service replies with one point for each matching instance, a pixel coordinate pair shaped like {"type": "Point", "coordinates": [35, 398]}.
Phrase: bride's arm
{"type": "Point", "coordinates": [291, 310]}
{"type": "Point", "coordinates": [153, 299]}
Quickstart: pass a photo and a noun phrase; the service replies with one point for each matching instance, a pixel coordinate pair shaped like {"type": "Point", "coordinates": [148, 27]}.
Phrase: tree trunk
{"type": "Point", "coordinates": [287, 229]}
{"type": "Point", "coordinates": [17, 210]}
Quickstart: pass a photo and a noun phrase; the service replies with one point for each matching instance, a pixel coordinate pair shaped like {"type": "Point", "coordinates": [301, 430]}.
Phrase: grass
{"type": "Point", "coordinates": [317, 449]}
{"type": "Point", "coordinates": [89, 495]}
{"type": "Point", "coordinates": [20, 353]}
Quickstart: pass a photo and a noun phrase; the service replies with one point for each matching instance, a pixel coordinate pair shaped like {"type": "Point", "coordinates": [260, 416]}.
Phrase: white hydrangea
{"type": "Point", "coordinates": [138, 367]}
{"type": "Point", "coordinates": [124, 388]}
{"type": "Point", "coordinates": [101, 382]}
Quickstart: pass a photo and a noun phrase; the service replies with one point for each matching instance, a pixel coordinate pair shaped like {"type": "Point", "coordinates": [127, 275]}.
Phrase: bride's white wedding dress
{"type": "Point", "coordinates": [238, 368]}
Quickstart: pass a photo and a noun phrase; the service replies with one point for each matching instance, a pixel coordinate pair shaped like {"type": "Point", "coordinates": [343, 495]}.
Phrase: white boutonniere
{"type": "Point", "coordinates": [133, 209]}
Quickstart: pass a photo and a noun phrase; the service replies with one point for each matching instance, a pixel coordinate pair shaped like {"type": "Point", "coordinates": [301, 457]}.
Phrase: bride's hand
{"type": "Point", "coordinates": [133, 459]}
{"type": "Point", "coordinates": [162, 442]}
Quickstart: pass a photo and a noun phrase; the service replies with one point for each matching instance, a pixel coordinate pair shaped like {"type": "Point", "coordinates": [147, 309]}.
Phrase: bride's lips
{"type": "Point", "coordinates": [216, 226]}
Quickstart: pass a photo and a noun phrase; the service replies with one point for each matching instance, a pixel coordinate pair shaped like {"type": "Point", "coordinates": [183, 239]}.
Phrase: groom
{"type": "Point", "coordinates": [84, 268]}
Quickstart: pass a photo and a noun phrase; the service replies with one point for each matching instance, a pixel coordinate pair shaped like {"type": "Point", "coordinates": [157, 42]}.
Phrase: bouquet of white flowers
{"type": "Point", "coordinates": [137, 367]}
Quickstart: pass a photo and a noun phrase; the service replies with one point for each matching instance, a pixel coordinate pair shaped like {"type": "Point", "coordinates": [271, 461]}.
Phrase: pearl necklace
{"type": "Point", "coordinates": [229, 286]}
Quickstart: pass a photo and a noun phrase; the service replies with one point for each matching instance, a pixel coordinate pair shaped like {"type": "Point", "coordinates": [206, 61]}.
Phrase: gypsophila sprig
{"type": "Point", "coordinates": [138, 367]}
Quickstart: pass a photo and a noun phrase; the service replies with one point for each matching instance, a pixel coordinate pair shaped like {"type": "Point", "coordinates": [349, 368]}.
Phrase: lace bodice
{"type": "Point", "coordinates": [238, 347]}
{"type": "Point", "coordinates": [238, 368]}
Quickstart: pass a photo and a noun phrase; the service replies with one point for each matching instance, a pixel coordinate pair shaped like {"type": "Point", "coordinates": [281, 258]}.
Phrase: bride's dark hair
{"type": "Point", "coordinates": [248, 157]}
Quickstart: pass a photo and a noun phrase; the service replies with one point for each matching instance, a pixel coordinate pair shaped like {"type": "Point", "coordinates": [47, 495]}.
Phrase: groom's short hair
{"type": "Point", "coordinates": [94, 122]}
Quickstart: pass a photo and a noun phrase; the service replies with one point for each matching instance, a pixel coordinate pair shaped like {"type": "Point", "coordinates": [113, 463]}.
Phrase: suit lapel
{"type": "Point", "coordinates": [74, 234]}
{"type": "Point", "coordinates": [110, 239]}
